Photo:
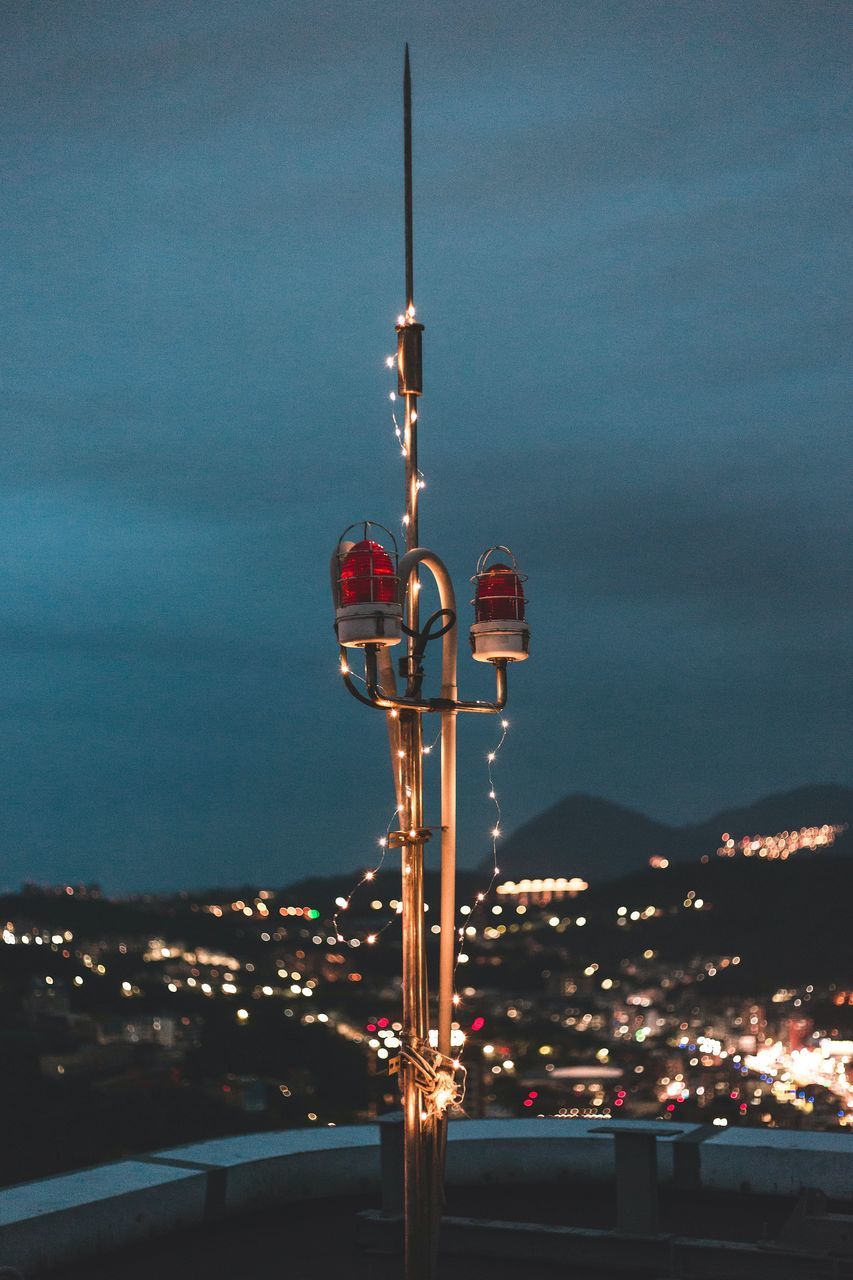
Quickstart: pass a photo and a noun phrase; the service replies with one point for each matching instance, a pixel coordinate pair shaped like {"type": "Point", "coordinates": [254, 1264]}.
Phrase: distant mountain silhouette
{"type": "Point", "coordinates": [594, 838]}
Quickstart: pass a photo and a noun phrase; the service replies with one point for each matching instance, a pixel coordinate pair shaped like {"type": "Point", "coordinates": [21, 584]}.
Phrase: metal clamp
{"type": "Point", "coordinates": [419, 835]}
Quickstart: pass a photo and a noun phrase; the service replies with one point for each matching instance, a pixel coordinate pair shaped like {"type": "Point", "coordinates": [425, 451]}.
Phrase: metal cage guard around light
{"type": "Point", "coordinates": [366, 587]}
{"type": "Point", "coordinates": [500, 632]}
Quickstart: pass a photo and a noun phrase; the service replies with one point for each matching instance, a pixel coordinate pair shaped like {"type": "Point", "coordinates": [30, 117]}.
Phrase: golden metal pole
{"type": "Point", "coordinates": [425, 1126]}
{"type": "Point", "coordinates": [418, 1197]}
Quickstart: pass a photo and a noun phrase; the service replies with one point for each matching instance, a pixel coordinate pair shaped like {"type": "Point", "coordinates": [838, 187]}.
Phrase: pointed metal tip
{"type": "Point", "coordinates": [407, 174]}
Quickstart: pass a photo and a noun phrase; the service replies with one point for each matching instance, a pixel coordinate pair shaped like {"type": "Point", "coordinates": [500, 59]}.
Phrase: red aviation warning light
{"type": "Point", "coordinates": [500, 631]}
{"type": "Point", "coordinates": [367, 590]}
{"type": "Point", "coordinates": [367, 574]}
{"type": "Point", "coordinates": [499, 595]}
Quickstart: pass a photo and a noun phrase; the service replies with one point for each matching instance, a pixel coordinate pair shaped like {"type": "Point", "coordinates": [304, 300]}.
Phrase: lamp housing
{"type": "Point", "coordinates": [500, 631]}
{"type": "Point", "coordinates": [367, 589]}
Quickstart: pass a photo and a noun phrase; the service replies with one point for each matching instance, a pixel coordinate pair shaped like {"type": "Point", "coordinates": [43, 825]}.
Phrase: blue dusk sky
{"type": "Point", "coordinates": [633, 266]}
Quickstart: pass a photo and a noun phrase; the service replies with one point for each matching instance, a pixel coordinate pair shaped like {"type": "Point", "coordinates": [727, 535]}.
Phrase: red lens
{"type": "Point", "coordinates": [499, 595]}
{"type": "Point", "coordinates": [367, 574]}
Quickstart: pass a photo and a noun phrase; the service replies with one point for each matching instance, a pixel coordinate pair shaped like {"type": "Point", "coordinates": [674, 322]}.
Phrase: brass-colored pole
{"type": "Point", "coordinates": [415, 1014]}
{"type": "Point", "coordinates": [418, 1193]}
{"type": "Point", "coordinates": [425, 1126]}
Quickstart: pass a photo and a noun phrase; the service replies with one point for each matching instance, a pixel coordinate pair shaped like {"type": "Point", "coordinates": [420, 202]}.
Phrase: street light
{"type": "Point", "coordinates": [376, 601]}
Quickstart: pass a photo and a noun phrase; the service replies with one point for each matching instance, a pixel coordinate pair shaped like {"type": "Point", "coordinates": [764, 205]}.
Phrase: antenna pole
{"type": "Point", "coordinates": [407, 168]}
{"type": "Point", "coordinates": [418, 1131]}
{"type": "Point", "coordinates": [430, 1081]}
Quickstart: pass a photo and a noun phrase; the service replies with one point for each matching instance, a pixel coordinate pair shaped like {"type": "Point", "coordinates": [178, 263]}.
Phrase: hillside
{"type": "Point", "coordinates": [788, 921]}
{"type": "Point", "coordinates": [594, 838]}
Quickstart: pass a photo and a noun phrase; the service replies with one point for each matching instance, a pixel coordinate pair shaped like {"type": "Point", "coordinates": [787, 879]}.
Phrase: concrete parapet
{"type": "Point", "coordinates": [82, 1215]}
{"type": "Point", "coordinates": [57, 1220]}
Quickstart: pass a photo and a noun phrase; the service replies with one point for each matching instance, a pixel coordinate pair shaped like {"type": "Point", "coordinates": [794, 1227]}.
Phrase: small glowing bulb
{"type": "Point", "coordinates": [344, 669]}
{"type": "Point", "coordinates": [371, 938]}
{"type": "Point", "coordinates": [492, 795]}
{"type": "Point", "coordinates": [457, 999]}
{"type": "Point", "coordinates": [368, 875]}
{"type": "Point", "coordinates": [392, 396]}
{"type": "Point", "coordinates": [504, 724]}
{"type": "Point", "coordinates": [401, 755]}
{"type": "Point", "coordinates": [480, 897]}
{"type": "Point", "coordinates": [427, 750]}
{"type": "Point", "coordinates": [390, 362]}
{"type": "Point", "coordinates": [496, 831]}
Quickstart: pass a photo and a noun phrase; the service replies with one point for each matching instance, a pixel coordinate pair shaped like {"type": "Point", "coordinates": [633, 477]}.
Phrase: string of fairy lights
{"type": "Point", "coordinates": [480, 897]}
{"type": "Point", "coordinates": [442, 1081]}
{"type": "Point", "coordinates": [470, 910]}
{"type": "Point", "coordinates": [391, 363]}
{"type": "Point", "coordinates": [344, 903]}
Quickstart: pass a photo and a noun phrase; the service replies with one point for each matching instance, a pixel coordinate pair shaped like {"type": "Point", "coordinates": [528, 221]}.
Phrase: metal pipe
{"type": "Point", "coordinates": [407, 570]}
{"type": "Point", "coordinates": [447, 920]}
{"type": "Point", "coordinates": [449, 690]}
{"type": "Point", "coordinates": [388, 684]}
{"type": "Point", "coordinates": [416, 1188]}
{"type": "Point", "coordinates": [377, 699]}
{"type": "Point", "coordinates": [410, 446]}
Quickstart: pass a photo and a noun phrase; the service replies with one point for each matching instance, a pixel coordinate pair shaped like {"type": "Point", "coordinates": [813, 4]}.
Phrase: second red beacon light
{"type": "Point", "coordinates": [500, 631]}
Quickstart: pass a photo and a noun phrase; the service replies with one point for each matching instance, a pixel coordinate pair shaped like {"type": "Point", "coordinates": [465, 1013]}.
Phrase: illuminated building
{"type": "Point", "coordinates": [541, 892]}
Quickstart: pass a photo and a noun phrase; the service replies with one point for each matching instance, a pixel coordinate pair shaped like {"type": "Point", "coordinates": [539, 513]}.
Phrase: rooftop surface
{"type": "Point", "coordinates": [319, 1239]}
{"type": "Point", "coordinates": [289, 1203]}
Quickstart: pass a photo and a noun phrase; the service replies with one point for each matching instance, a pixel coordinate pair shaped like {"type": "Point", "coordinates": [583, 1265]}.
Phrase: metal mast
{"type": "Point", "coordinates": [368, 618]}
{"type": "Point", "coordinates": [417, 1163]}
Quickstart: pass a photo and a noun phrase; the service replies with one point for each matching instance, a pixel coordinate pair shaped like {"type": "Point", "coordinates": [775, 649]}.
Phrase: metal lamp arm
{"type": "Point", "coordinates": [376, 698]}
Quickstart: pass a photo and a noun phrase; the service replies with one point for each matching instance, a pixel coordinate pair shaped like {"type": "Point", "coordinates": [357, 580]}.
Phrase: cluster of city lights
{"type": "Point", "coordinates": [781, 845]}
{"type": "Point", "coordinates": [12, 937]}
{"type": "Point", "coordinates": [793, 1072]}
{"type": "Point", "coordinates": [258, 908]}
{"type": "Point", "coordinates": [542, 891]}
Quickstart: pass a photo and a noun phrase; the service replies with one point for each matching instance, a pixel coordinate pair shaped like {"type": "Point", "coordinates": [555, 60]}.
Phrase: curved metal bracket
{"type": "Point", "coordinates": [448, 701]}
